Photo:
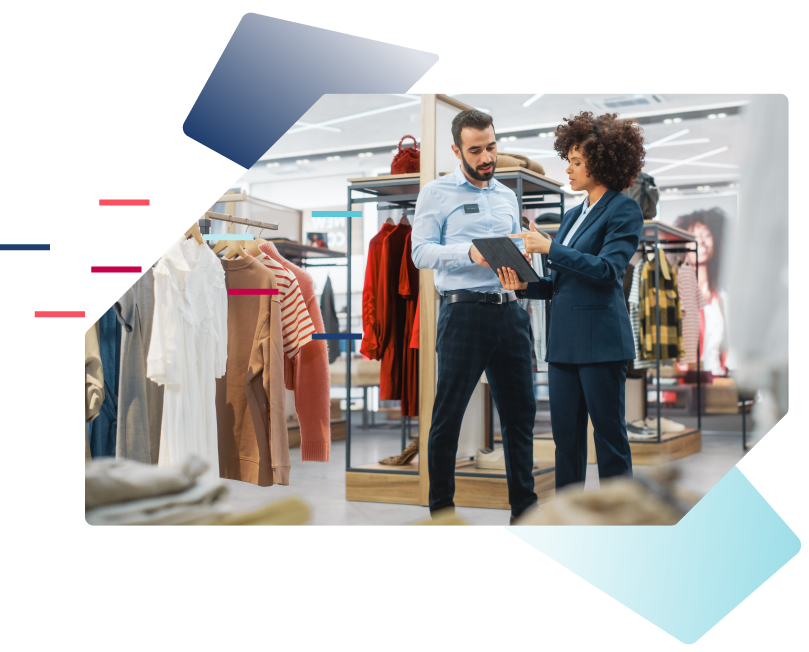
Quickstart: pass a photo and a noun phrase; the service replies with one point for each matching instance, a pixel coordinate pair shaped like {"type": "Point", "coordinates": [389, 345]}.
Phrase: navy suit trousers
{"type": "Point", "coordinates": [471, 338]}
{"type": "Point", "coordinates": [598, 389]}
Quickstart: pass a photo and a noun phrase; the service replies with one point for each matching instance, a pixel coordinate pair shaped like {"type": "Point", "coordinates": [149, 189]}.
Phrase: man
{"type": "Point", "coordinates": [480, 326]}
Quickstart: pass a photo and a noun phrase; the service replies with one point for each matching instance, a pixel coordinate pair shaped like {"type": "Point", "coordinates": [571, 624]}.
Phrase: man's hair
{"type": "Point", "coordinates": [471, 118]}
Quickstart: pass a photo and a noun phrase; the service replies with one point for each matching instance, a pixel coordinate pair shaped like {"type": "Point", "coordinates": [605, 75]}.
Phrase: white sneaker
{"type": "Point", "coordinates": [666, 425]}
{"type": "Point", "coordinates": [488, 459]}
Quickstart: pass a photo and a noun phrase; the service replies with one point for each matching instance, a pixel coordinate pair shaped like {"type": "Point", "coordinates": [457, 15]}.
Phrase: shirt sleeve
{"type": "Point", "coordinates": [428, 225]}
{"type": "Point", "coordinates": [220, 325]}
{"type": "Point", "coordinates": [516, 225]}
{"type": "Point", "coordinates": [162, 362]}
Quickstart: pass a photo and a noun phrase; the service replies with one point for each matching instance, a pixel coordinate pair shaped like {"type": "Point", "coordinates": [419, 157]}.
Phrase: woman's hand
{"type": "Point", "coordinates": [508, 277]}
{"type": "Point", "coordinates": [535, 242]}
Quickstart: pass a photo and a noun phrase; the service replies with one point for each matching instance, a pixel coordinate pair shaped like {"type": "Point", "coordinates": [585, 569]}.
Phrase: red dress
{"type": "Point", "coordinates": [391, 314]}
{"type": "Point", "coordinates": [370, 346]}
{"type": "Point", "coordinates": [409, 290]}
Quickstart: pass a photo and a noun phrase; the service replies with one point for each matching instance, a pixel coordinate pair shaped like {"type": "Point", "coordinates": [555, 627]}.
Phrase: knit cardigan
{"type": "Point", "coordinates": [307, 374]}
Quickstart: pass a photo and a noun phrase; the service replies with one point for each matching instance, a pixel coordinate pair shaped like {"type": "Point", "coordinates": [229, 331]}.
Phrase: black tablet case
{"type": "Point", "coordinates": [502, 252]}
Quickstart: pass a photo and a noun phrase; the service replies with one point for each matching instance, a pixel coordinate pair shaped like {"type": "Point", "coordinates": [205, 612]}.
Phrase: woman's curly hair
{"type": "Point", "coordinates": [612, 148]}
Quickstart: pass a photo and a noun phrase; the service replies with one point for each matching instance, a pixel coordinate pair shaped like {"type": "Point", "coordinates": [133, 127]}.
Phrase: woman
{"type": "Point", "coordinates": [589, 337]}
{"type": "Point", "coordinates": [708, 228]}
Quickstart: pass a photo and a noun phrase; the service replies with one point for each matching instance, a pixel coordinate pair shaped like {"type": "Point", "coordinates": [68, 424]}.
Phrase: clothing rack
{"type": "Point", "coordinates": [205, 221]}
{"type": "Point", "coordinates": [675, 241]}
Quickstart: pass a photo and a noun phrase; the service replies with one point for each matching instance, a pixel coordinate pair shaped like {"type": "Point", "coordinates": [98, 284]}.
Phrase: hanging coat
{"type": "Point", "coordinates": [330, 322]}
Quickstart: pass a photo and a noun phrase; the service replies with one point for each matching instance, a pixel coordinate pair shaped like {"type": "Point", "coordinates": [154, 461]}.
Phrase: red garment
{"type": "Point", "coordinates": [414, 341]}
{"type": "Point", "coordinates": [391, 314]}
{"type": "Point", "coordinates": [409, 289]}
{"type": "Point", "coordinates": [307, 374]}
{"type": "Point", "coordinates": [371, 347]}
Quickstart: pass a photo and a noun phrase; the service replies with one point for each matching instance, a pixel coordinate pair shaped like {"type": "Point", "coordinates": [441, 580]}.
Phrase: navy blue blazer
{"type": "Point", "coordinates": [588, 320]}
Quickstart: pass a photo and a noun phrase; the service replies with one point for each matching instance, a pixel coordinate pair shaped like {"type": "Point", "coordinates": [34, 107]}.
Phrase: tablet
{"type": "Point", "coordinates": [502, 252]}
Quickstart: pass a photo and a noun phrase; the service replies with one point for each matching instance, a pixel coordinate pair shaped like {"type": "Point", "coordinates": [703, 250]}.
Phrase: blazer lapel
{"type": "Point", "coordinates": [592, 216]}
{"type": "Point", "coordinates": [565, 226]}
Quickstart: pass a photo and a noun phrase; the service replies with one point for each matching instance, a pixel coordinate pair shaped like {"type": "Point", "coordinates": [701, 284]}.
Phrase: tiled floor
{"type": "Point", "coordinates": [322, 486]}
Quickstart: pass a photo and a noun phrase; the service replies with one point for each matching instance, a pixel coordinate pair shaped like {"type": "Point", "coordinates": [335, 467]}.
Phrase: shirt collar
{"type": "Point", "coordinates": [460, 179]}
{"type": "Point", "coordinates": [586, 203]}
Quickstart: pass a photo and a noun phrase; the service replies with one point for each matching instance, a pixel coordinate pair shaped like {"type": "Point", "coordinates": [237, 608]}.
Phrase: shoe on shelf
{"type": "Point", "coordinates": [486, 458]}
{"type": "Point", "coordinates": [666, 425]}
{"type": "Point", "coordinates": [405, 456]}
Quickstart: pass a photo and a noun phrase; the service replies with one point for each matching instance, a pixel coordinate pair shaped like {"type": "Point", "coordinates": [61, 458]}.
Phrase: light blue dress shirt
{"type": "Point", "coordinates": [445, 223]}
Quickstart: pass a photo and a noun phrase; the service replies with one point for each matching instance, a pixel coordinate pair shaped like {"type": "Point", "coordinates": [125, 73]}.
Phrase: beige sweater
{"type": "Point", "coordinates": [251, 421]}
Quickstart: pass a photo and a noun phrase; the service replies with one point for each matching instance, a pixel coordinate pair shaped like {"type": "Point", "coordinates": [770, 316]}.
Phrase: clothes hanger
{"type": "Point", "coordinates": [251, 246]}
{"type": "Point", "coordinates": [195, 233]}
{"type": "Point", "coordinates": [404, 220]}
{"type": "Point", "coordinates": [220, 246]}
{"type": "Point", "coordinates": [259, 240]}
{"type": "Point", "coordinates": [390, 221]}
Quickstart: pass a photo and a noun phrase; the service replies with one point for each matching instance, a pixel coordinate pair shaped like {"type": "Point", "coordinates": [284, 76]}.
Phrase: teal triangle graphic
{"type": "Point", "coordinates": [683, 578]}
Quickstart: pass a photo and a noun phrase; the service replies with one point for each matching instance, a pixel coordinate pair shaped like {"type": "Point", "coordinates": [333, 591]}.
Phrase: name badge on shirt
{"type": "Point", "coordinates": [471, 208]}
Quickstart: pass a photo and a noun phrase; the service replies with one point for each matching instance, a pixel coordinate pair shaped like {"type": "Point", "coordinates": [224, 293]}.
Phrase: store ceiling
{"type": "Point", "coordinates": [352, 134]}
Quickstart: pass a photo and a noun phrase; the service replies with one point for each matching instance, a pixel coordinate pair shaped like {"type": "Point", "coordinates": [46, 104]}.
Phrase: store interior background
{"type": "Point", "coordinates": [696, 148]}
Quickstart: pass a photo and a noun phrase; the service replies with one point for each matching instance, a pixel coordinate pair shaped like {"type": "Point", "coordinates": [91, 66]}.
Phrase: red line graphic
{"type": "Point", "coordinates": [115, 270]}
{"type": "Point", "coordinates": [59, 313]}
{"type": "Point", "coordinates": [156, 203]}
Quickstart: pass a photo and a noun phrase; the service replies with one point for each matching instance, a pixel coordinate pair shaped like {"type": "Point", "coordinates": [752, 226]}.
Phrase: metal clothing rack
{"type": "Point", "coordinates": [687, 244]}
{"type": "Point", "coordinates": [401, 191]}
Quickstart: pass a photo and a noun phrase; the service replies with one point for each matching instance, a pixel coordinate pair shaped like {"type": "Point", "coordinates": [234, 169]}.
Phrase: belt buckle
{"type": "Point", "coordinates": [499, 299]}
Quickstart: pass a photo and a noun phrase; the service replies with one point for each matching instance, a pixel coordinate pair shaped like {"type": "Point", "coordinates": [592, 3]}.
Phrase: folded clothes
{"type": "Point", "coordinates": [200, 504]}
{"type": "Point", "coordinates": [508, 160]}
{"type": "Point", "coordinates": [109, 480]}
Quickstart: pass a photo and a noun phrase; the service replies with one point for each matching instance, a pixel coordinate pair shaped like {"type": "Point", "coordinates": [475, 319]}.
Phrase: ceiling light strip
{"type": "Point", "coordinates": [713, 152]}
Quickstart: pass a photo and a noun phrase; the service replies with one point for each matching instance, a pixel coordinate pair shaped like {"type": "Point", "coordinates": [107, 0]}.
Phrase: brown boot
{"type": "Point", "coordinates": [406, 455]}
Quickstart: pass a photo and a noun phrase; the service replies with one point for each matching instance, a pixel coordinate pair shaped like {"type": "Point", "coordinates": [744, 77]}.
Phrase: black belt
{"type": "Point", "coordinates": [467, 296]}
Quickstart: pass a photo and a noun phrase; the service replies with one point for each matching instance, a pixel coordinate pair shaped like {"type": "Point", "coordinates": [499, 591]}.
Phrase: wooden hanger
{"type": "Point", "coordinates": [195, 233]}
{"type": "Point", "coordinates": [221, 245]}
{"type": "Point", "coordinates": [404, 220]}
{"type": "Point", "coordinates": [251, 246]}
{"type": "Point", "coordinates": [233, 248]}
{"type": "Point", "coordinates": [390, 221]}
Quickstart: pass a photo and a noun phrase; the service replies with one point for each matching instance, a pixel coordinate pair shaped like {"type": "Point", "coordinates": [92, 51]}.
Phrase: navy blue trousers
{"type": "Point", "coordinates": [598, 389]}
{"type": "Point", "coordinates": [471, 338]}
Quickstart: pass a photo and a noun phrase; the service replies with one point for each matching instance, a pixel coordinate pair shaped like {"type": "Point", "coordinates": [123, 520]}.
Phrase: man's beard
{"type": "Point", "coordinates": [472, 172]}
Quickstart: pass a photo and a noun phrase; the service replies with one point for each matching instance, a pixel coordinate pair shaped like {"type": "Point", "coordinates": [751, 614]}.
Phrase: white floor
{"type": "Point", "coordinates": [322, 486]}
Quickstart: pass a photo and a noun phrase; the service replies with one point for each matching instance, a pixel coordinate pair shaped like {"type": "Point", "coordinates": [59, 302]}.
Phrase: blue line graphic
{"type": "Point", "coordinates": [337, 336]}
{"type": "Point", "coordinates": [25, 247]}
{"type": "Point", "coordinates": [336, 213]}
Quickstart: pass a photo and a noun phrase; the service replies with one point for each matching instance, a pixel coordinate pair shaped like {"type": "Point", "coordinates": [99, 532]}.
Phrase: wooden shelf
{"type": "Point", "coordinates": [412, 467]}
{"type": "Point", "coordinates": [415, 176]}
{"type": "Point", "coordinates": [672, 446]}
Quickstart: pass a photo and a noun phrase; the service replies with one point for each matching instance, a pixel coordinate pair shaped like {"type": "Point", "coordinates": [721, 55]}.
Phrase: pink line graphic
{"type": "Point", "coordinates": [249, 291]}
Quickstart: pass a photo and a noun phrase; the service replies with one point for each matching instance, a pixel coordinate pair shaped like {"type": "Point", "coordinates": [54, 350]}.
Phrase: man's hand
{"type": "Point", "coordinates": [474, 254]}
{"type": "Point", "coordinates": [535, 242]}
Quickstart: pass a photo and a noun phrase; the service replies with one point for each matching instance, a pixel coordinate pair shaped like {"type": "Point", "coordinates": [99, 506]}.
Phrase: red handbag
{"type": "Point", "coordinates": [406, 160]}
